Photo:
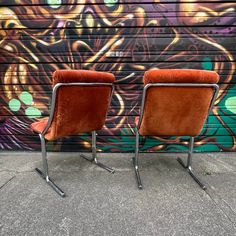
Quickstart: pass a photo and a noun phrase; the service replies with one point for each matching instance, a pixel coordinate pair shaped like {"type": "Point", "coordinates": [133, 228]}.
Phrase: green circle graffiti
{"type": "Point", "coordinates": [33, 112]}
{"type": "Point", "coordinates": [26, 98]}
{"type": "Point", "coordinates": [230, 104]}
{"type": "Point", "coordinates": [14, 104]}
{"type": "Point", "coordinates": [110, 3]}
{"type": "Point", "coordinates": [54, 3]}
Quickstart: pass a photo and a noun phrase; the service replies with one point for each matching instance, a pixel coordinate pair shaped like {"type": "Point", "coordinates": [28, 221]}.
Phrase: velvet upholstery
{"type": "Point", "coordinates": [180, 76]}
{"type": "Point", "coordinates": [78, 108]}
{"type": "Point", "coordinates": [176, 111]}
{"type": "Point", "coordinates": [83, 76]}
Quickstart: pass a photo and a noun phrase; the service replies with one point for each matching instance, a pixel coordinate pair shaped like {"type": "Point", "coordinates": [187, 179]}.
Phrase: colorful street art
{"type": "Point", "coordinates": [123, 37]}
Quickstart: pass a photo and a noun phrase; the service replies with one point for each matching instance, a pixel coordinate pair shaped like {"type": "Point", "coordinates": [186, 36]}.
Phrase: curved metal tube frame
{"type": "Point", "coordinates": [45, 173]}
{"type": "Point", "coordinates": [94, 155]}
{"type": "Point", "coordinates": [188, 167]}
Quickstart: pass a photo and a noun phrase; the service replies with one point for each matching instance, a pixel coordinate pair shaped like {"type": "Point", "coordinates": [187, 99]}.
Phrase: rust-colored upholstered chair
{"type": "Point", "coordinates": [80, 100]}
{"type": "Point", "coordinates": [175, 103]}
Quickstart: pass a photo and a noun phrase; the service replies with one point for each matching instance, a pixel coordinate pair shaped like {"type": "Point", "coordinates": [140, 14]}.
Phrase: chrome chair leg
{"type": "Point", "coordinates": [44, 174]}
{"type": "Point", "coordinates": [188, 167]}
{"type": "Point", "coordinates": [94, 156]}
{"type": "Point", "coordinates": [135, 161]}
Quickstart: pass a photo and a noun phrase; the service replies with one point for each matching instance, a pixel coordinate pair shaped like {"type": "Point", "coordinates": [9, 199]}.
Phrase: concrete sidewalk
{"type": "Point", "coordinates": [100, 203]}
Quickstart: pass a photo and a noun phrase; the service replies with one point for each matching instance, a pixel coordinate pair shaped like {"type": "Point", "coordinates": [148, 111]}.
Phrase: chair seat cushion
{"type": "Point", "coordinates": [136, 120]}
{"type": "Point", "coordinates": [39, 126]}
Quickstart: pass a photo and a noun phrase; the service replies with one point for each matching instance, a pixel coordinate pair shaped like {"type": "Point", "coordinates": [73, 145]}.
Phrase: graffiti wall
{"type": "Point", "coordinates": [123, 37]}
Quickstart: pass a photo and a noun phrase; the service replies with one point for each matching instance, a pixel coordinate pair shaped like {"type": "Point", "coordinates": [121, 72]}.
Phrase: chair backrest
{"type": "Point", "coordinates": [176, 102]}
{"type": "Point", "coordinates": [80, 101]}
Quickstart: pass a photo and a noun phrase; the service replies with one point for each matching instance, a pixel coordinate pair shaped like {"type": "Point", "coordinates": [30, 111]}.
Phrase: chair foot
{"type": "Point", "coordinates": [203, 186]}
{"type": "Point", "coordinates": [181, 162]}
{"type": "Point", "coordinates": [136, 170]}
{"type": "Point", "coordinates": [51, 183]}
{"type": "Point", "coordinates": [94, 161]}
{"type": "Point", "coordinates": [189, 170]}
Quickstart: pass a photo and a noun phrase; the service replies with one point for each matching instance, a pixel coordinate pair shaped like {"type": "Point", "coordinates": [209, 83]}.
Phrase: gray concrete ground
{"type": "Point", "coordinates": [99, 203]}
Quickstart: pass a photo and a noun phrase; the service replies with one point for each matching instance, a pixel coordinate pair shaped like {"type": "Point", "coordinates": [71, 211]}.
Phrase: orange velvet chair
{"type": "Point", "coordinates": [80, 101]}
{"type": "Point", "coordinates": [175, 102]}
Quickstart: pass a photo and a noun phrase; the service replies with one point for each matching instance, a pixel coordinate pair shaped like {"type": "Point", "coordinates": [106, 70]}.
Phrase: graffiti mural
{"type": "Point", "coordinates": [125, 38]}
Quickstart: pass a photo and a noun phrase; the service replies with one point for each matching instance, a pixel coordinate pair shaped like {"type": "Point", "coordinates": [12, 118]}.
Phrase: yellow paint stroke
{"type": "Point", "coordinates": [30, 52]}
{"type": "Point", "coordinates": [215, 13]}
{"type": "Point", "coordinates": [122, 105]}
{"type": "Point", "coordinates": [79, 43]}
{"type": "Point", "coordinates": [9, 48]}
{"type": "Point", "coordinates": [174, 41]}
{"type": "Point", "coordinates": [101, 14]}
{"type": "Point", "coordinates": [152, 22]}
{"type": "Point", "coordinates": [138, 67]}
{"type": "Point", "coordinates": [140, 14]}
{"type": "Point", "coordinates": [90, 20]}
{"type": "Point", "coordinates": [127, 77]}
{"type": "Point", "coordinates": [41, 41]}
{"type": "Point", "coordinates": [112, 48]}
{"type": "Point", "coordinates": [117, 12]}
{"type": "Point", "coordinates": [11, 77]}
{"type": "Point", "coordinates": [8, 17]}
{"type": "Point", "coordinates": [13, 47]}
{"type": "Point", "coordinates": [103, 50]}
{"type": "Point", "coordinates": [124, 19]}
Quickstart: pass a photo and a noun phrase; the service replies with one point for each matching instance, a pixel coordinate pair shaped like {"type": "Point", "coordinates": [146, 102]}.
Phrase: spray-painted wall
{"type": "Point", "coordinates": [123, 37]}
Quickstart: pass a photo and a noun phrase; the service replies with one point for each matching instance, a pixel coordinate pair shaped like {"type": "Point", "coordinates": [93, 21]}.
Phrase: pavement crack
{"type": "Point", "coordinates": [229, 206]}
{"type": "Point", "coordinates": [222, 205]}
{"type": "Point", "coordinates": [2, 186]}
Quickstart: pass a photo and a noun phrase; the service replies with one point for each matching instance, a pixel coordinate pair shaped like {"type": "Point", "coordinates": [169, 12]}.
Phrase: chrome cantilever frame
{"type": "Point", "coordinates": [188, 167]}
{"type": "Point", "coordinates": [94, 155]}
{"type": "Point", "coordinates": [135, 160]}
{"type": "Point", "coordinates": [45, 173]}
